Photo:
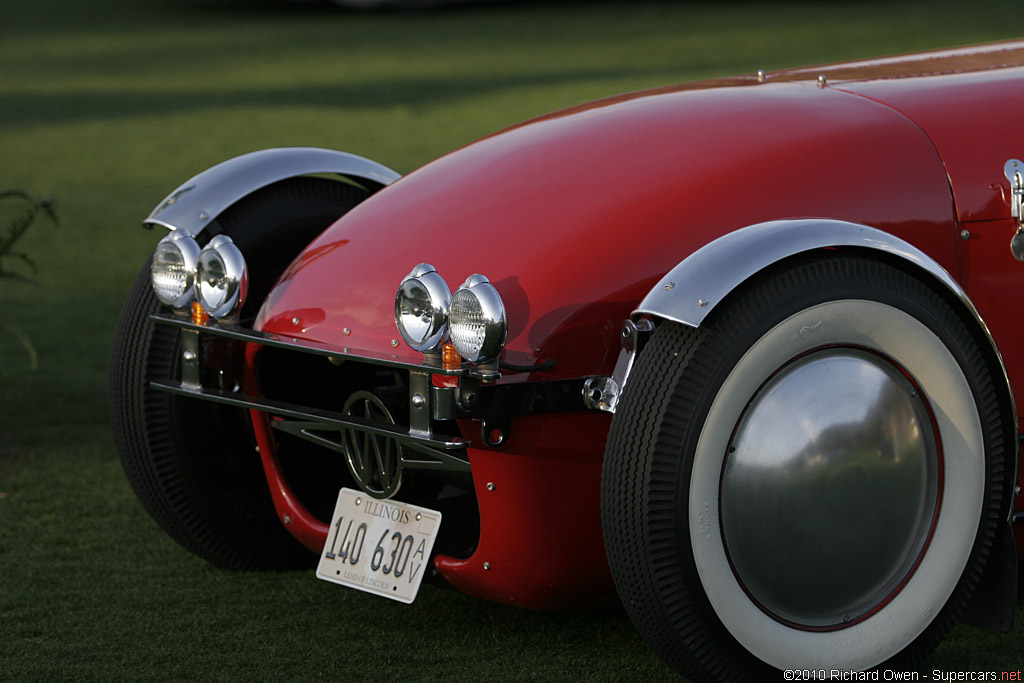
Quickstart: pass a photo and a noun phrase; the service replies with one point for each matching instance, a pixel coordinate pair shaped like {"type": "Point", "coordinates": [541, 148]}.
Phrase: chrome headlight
{"type": "Point", "coordinates": [421, 308]}
{"type": "Point", "coordinates": [173, 269]}
{"type": "Point", "coordinates": [477, 324]}
{"type": "Point", "coordinates": [222, 279]}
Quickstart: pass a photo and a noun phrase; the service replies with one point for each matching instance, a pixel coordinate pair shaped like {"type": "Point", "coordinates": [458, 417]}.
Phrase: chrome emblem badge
{"type": "Point", "coordinates": [374, 459]}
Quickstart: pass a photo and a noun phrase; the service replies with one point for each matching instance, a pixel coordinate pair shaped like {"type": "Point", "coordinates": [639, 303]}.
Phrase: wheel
{"type": "Point", "coordinates": [193, 463]}
{"type": "Point", "coordinates": [812, 479]}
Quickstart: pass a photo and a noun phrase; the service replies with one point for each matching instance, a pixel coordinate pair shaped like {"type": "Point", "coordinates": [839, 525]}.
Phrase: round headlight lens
{"type": "Point", "coordinates": [421, 308]}
{"type": "Point", "coordinates": [173, 269]}
{"type": "Point", "coordinates": [222, 279]}
{"type": "Point", "coordinates": [477, 324]}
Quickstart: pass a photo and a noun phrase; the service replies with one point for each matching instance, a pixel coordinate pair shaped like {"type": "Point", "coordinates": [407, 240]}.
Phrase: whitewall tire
{"type": "Point", "coordinates": [809, 480]}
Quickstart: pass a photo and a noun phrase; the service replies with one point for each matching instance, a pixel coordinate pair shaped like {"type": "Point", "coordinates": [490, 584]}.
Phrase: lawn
{"type": "Point", "coordinates": [107, 105]}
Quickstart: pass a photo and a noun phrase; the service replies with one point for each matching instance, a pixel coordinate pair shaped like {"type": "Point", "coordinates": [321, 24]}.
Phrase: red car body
{"type": "Point", "coordinates": [577, 216]}
{"type": "Point", "coordinates": [882, 143]}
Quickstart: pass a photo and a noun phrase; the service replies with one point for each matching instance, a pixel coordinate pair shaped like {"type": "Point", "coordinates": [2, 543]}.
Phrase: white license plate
{"type": "Point", "coordinates": [378, 546]}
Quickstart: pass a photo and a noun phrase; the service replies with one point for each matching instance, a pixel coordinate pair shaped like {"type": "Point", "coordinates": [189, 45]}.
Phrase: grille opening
{"type": "Point", "coordinates": [316, 473]}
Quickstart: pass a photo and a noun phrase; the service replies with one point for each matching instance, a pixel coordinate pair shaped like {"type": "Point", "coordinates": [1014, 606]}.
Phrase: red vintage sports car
{"type": "Point", "coordinates": [740, 351]}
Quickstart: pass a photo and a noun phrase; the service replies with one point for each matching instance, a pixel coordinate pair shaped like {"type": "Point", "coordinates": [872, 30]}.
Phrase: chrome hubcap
{"type": "Point", "coordinates": [830, 488]}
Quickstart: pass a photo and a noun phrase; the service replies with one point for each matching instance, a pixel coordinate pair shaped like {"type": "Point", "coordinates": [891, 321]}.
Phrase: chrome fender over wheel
{"type": "Point", "coordinates": [811, 479]}
{"type": "Point", "coordinates": [200, 200]}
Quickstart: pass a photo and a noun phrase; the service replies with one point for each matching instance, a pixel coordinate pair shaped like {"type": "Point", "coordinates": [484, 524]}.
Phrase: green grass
{"type": "Point", "coordinates": [109, 104]}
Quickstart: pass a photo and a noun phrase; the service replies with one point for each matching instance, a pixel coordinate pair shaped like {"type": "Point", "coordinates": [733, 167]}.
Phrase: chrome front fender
{"type": "Point", "coordinates": [202, 198]}
{"type": "Point", "coordinates": [691, 290]}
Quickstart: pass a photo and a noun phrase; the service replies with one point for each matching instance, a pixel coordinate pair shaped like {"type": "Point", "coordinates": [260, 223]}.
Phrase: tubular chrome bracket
{"type": "Point", "coordinates": [602, 393]}
{"type": "Point", "coordinates": [1014, 171]}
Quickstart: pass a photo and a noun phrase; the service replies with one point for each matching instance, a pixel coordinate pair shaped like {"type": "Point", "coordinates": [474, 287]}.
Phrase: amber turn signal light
{"type": "Point", "coordinates": [199, 314]}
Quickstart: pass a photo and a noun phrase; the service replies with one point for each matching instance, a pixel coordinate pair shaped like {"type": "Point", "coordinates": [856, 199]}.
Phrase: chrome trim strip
{"type": "Point", "coordinates": [325, 419]}
{"type": "Point", "coordinates": [200, 199]}
{"type": "Point", "coordinates": [337, 353]}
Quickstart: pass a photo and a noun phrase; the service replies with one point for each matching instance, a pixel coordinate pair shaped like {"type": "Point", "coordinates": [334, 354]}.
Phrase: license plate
{"type": "Point", "coordinates": [378, 546]}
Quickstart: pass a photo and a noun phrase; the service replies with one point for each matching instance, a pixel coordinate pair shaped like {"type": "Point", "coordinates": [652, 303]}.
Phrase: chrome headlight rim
{"type": "Point", "coordinates": [222, 277]}
{"type": "Point", "coordinates": [478, 298]}
{"type": "Point", "coordinates": [187, 250]}
{"type": "Point", "coordinates": [422, 304]}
